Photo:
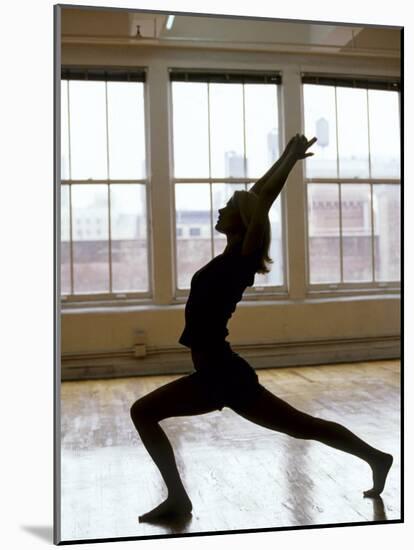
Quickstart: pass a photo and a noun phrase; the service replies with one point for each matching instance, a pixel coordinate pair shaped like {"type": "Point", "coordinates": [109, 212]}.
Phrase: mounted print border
{"type": "Point", "coordinates": [159, 118]}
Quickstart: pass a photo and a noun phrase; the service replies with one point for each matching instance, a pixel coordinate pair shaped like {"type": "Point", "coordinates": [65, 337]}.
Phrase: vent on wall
{"type": "Point", "coordinates": [140, 347]}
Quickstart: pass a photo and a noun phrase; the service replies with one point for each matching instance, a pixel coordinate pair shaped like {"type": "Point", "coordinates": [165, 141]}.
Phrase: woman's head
{"type": "Point", "coordinates": [235, 217]}
{"type": "Point", "coordinates": [229, 221]}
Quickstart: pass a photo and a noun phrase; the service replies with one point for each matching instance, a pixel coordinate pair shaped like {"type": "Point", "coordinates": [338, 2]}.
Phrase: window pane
{"type": "Point", "coordinates": [64, 131]}
{"type": "Point", "coordinates": [320, 121]}
{"type": "Point", "coordinates": [352, 132]}
{"type": "Point", "coordinates": [222, 192]}
{"type": "Point", "coordinates": [387, 232]}
{"type": "Point", "coordinates": [384, 133]}
{"type": "Point", "coordinates": [126, 130]}
{"type": "Point", "coordinates": [192, 203]}
{"type": "Point", "coordinates": [190, 130]}
{"type": "Point", "coordinates": [226, 129]}
{"type": "Point", "coordinates": [262, 128]}
{"type": "Point", "coordinates": [64, 240]}
{"type": "Point", "coordinates": [90, 238]}
{"type": "Point", "coordinates": [356, 232]}
{"type": "Point", "coordinates": [129, 238]}
{"type": "Point", "coordinates": [324, 232]}
{"type": "Point", "coordinates": [88, 130]}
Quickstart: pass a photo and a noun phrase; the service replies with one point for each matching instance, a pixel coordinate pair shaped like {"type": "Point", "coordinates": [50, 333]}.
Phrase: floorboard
{"type": "Point", "coordinates": [238, 475]}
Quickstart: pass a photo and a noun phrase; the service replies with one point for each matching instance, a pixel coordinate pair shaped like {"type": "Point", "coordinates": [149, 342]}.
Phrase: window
{"type": "Point", "coordinates": [104, 247]}
{"type": "Point", "coordinates": [225, 136]}
{"type": "Point", "coordinates": [352, 182]}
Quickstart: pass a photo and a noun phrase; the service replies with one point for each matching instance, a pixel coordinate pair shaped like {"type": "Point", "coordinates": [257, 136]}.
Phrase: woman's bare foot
{"type": "Point", "coordinates": [380, 468]}
{"type": "Point", "coordinates": [171, 508]}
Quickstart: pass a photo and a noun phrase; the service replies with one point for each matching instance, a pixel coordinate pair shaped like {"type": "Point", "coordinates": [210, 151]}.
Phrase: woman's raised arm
{"type": "Point", "coordinates": [295, 150]}
{"type": "Point", "coordinates": [260, 182]}
{"type": "Point", "coordinates": [271, 188]}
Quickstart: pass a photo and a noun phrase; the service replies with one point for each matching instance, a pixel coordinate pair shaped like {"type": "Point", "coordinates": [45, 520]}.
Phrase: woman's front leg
{"type": "Point", "coordinates": [182, 397]}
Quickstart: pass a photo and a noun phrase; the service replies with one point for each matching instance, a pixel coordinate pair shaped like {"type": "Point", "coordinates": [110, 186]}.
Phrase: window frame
{"type": "Point", "coordinates": [106, 74]}
{"type": "Point", "coordinates": [341, 287]}
{"type": "Point", "coordinates": [255, 293]}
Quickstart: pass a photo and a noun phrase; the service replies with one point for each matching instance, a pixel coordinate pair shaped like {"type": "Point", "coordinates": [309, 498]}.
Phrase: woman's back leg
{"type": "Point", "coordinates": [271, 412]}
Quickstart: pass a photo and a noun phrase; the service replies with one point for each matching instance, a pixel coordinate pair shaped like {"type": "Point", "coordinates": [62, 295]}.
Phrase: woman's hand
{"type": "Point", "coordinates": [298, 146]}
{"type": "Point", "coordinates": [295, 149]}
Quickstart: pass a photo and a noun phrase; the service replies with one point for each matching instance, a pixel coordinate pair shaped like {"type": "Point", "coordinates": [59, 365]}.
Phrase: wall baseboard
{"type": "Point", "coordinates": [177, 359]}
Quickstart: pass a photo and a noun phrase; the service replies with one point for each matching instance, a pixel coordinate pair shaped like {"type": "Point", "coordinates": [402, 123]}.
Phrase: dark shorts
{"type": "Point", "coordinates": [228, 378]}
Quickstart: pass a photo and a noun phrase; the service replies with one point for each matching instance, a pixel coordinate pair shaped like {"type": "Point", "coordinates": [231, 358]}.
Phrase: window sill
{"type": "Point", "coordinates": [71, 308]}
{"type": "Point", "coordinates": [340, 293]}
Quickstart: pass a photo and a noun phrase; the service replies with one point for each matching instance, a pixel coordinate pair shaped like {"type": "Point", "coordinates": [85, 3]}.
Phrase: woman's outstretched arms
{"type": "Point", "coordinates": [295, 150]}
{"type": "Point", "coordinates": [260, 182]}
{"type": "Point", "coordinates": [271, 187]}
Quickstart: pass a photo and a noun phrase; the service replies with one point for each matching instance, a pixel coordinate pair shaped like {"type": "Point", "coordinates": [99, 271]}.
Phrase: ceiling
{"type": "Point", "coordinates": [143, 28]}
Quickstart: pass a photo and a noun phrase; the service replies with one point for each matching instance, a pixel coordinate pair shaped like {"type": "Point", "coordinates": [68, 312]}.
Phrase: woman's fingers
{"type": "Point", "coordinates": [303, 143]}
{"type": "Point", "coordinates": [289, 143]}
{"type": "Point", "coordinates": [303, 137]}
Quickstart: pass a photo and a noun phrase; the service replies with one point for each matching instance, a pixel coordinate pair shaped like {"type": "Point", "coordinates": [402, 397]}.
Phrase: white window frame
{"type": "Point", "coordinates": [346, 288]}
{"type": "Point", "coordinates": [110, 297]}
{"type": "Point", "coordinates": [257, 292]}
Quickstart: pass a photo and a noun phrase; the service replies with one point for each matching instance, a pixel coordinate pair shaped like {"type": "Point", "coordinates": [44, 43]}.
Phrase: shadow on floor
{"type": "Point", "coordinates": [173, 526]}
{"type": "Point", "coordinates": [379, 509]}
{"type": "Point", "coordinates": [44, 532]}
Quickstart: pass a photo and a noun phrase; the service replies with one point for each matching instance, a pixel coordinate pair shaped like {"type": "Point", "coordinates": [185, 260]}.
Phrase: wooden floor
{"type": "Point", "coordinates": [238, 475]}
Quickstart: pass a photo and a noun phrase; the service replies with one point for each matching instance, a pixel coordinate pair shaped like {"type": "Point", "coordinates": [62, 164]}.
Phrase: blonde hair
{"type": "Point", "coordinates": [246, 202]}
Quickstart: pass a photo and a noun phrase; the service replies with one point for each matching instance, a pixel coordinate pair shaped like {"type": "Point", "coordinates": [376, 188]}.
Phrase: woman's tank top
{"type": "Point", "coordinates": [215, 291]}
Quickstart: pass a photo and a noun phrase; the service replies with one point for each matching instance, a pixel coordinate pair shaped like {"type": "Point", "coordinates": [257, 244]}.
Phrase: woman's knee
{"type": "Point", "coordinates": [141, 412]}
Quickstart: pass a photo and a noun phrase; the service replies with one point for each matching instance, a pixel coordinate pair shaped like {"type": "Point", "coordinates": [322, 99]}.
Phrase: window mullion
{"type": "Point", "coordinates": [69, 144]}
{"type": "Point", "coordinates": [244, 132]}
{"type": "Point", "coordinates": [109, 238]}
{"type": "Point", "coordinates": [211, 221]}
{"type": "Point", "coordinates": [100, 182]}
{"type": "Point", "coordinates": [209, 130]}
{"type": "Point", "coordinates": [369, 140]}
{"type": "Point", "coordinates": [341, 261]}
{"type": "Point", "coordinates": [371, 192]}
{"type": "Point", "coordinates": [209, 171]}
{"type": "Point", "coordinates": [216, 180]}
{"type": "Point", "coordinates": [72, 285]}
{"type": "Point", "coordinates": [354, 181]}
{"type": "Point", "coordinates": [337, 134]}
{"type": "Point", "coordinates": [372, 233]}
{"type": "Point", "coordinates": [109, 189]}
{"type": "Point", "coordinates": [71, 241]}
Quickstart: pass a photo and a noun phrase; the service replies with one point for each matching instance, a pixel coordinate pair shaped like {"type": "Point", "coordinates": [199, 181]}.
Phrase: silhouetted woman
{"type": "Point", "coordinates": [222, 378]}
